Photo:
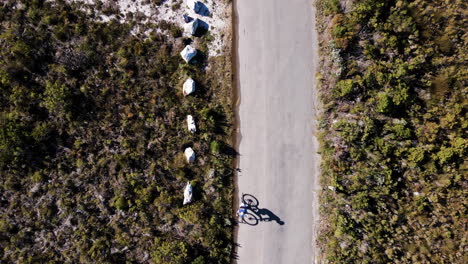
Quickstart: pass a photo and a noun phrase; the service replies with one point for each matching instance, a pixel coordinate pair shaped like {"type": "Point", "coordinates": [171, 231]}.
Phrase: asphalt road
{"type": "Point", "coordinates": [277, 54]}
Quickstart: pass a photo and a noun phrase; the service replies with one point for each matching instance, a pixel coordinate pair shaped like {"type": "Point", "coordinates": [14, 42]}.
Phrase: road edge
{"type": "Point", "coordinates": [236, 136]}
{"type": "Point", "coordinates": [318, 110]}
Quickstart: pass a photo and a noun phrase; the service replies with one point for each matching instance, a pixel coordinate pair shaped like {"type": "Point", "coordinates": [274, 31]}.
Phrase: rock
{"type": "Point", "coordinates": [188, 87]}
{"type": "Point", "coordinates": [191, 27]}
{"type": "Point", "coordinates": [187, 18]}
{"type": "Point", "coordinates": [191, 124]}
{"type": "Point", "coordinates": [188, 193]}
{"type": "Point", "coordinates": [189, 155]}
{"type": "Point", "coordinates": [198, 7]}
{"type": "Point", "coordinates": [188, 53]}
{"type": "Point", "coordinates": [193, 5]}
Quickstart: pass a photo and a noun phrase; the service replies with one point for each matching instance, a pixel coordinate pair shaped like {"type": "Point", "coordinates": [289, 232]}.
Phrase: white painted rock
{"type": "Point", "coordinates": [188, 193]}
{"type": "Point", "coordinates": [188, 53]}
{"type": "Point", "coordinates": [189, 155]}
{"type": "Point", "coordinates": [193, 5]}
{"type": "Point", "coordinates": [198, 7]}
{"type": "Point", "coordinates": [189, 86]}
{"type": "Point", "coordinates": [191, 27]}
{"type": "Point", "coordinates": [191, 124]}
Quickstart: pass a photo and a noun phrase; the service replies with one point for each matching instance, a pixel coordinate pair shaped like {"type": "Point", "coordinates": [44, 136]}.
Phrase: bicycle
{"type": "Point", "coordinates": [251, 204]}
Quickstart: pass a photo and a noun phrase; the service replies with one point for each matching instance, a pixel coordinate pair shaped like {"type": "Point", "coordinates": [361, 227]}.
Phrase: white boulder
{"type": "Point", "coordinates": [191, 124]}
{"type": "Point", "coordinates": [188, 193]}
{"type": "Point", "coordinates": [193, 5]}
{"type": "Point", "coordinates": [188, 87]}
{"type": "Point", "coordinates": [189, 155]}
{"type": "Point", "coordinates": [198, 7]}
{"type": "Point", "coordinates": [188, 53]}
{"type": "Point", "coordinates": [191, 27]}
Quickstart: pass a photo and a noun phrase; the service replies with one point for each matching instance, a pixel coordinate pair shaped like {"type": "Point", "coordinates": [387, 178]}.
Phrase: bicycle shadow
{"type": "Point", "coordinates": [266, 215]}
{"type": "Point", "coordinates": [255, 214]}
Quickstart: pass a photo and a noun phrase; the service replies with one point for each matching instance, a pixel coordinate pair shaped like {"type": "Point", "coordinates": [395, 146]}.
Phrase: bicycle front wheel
{"type": "Point", "coordinates": [250, 200]}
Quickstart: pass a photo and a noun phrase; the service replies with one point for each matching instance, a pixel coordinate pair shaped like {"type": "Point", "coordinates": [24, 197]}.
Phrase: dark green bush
{"type": "Point", "coordinates": [92, 134]}
{"type": "Point", "coordinates": [393, 136]}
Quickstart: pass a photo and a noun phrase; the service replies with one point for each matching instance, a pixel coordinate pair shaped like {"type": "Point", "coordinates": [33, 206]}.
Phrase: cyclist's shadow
{"type": "Point", "coordinates": [255, 214]}
{"type": "Point", "coordinates": [266, 215]}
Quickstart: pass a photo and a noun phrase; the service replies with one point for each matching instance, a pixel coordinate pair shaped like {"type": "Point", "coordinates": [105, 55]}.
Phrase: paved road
{"type": "Point", "coordinates": [277, 53]}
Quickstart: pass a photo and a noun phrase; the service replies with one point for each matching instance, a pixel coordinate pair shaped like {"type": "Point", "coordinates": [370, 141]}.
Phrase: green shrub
{"type": "Point", "coordinates": [170, 252]}
{"type": "Point", "coordinates": [215, 147]}
{"type": "Point", "coordinates": [396, 154]}
{"type": "Point", "coordinates": [445, 154]}
{"type": "Point", "coordinates": [199, 260]}
{"type": "Point", "coordinates": [121, 203]}
{"type": "Point", "coordinates": [416, 155]}
{"type": "Point", "coordinates": [344, 88]}
{"type": "Point", "coordinates": [331, 6]}
{"type": "Point", "coordinates": [384, 103]}
{"type": "Point", "coordinates": [38, 177]}
{"type": "Point", "coordinates": [92, 107]}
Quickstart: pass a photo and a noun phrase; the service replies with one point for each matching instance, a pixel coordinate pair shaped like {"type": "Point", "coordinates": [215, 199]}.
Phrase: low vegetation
{"type": "Point", "coordinates": [394, 88]}
{"type": "Point", "coordinates": [92, 133]}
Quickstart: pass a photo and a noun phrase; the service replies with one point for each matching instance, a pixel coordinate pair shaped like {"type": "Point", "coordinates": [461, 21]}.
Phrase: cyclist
{"type": "Point", "coordinates": [242, 210]}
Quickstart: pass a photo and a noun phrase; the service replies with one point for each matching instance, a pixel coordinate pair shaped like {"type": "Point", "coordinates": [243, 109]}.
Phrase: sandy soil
{"type": "Point", "coordinates": [218, 19]}
{"type": "Point", "coordinates": [277, 57]}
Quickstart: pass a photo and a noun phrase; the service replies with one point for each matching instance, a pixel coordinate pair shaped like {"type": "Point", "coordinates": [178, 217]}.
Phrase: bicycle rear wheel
{"type": "Point", "coordinates": [250, 219]}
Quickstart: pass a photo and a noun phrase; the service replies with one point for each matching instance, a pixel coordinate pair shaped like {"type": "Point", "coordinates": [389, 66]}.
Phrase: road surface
{"type": "Point", "coordinates": [277, 54]}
